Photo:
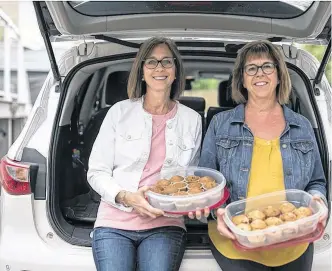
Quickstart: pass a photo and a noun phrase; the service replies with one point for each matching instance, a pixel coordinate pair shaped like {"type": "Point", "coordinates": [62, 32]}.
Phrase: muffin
{"type": "Point", "coordinates": [206, 179]}
{"type": "Point", "coordinates": [302, 212]}
{"type": "Point", "coordinates": [256, 214]}
{"type": "Point", "coordinates": [288, 217]}
{"type": "Point", "coordinates": [176, 179]}
{"type": "Point", "coordinates": [240, 219]}
{"type": "Point", "coordinates": [163, 182]}
{"type": "Point", "coordinates": [273, 221]}
{"type": "Point", "coordinates": [156, 189]}
{"type": "Point", "coordinates": [209, 185]}
{"type": "Point", "coordinates": [192, 179]}
{"type": "Point", "coordinates": [271, 211]}
{"type": "Point", "coordinates": [180, 186]}
{"type": "Point", "coordinates": [194, 191]}
{"type": "Point", "coordinates": [170, 190]}
{"type": "Point", "coordinates": [244, 227]}
{"type": "Point", "coordinates": [194, 185]}
{"type": "Point", "coordinates": [287, 207]}
{"type": "Point", "coordinates": [258, 224]}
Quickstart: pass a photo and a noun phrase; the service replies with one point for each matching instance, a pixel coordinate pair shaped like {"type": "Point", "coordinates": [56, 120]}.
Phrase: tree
{"type": "Point", "coordinates": [318, 51]}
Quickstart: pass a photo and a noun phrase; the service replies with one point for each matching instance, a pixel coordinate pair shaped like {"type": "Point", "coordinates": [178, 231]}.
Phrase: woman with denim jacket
{"type": "Point", "coordinates": [262, 146]}
{"type": "Point", "coordinates": [141, 136]}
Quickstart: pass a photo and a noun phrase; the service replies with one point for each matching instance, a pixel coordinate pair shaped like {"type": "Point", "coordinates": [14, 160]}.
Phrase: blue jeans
{"type": "Point", "coordinates": [159, 249]}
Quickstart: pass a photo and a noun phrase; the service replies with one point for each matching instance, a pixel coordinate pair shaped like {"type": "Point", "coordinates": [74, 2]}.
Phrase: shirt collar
{"type": "Point", "coordinates": [290, 116]}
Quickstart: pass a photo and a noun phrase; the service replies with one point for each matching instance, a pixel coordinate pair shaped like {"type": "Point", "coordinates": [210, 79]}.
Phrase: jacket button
{"type": "Point", "coordinates": [284, 146]}
{"type": "Point", "coordinates": [169, 161]}
{"type": "Point", "coordinates": [169, 126]}
{"type": "Point", "coordinates": [128, 136]}
{"type": "Point", "coordinates": [184, 147]}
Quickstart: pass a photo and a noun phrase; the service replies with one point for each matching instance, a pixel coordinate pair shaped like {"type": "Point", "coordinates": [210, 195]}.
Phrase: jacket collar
{"type": "Point", "coordinates": [290, 116]}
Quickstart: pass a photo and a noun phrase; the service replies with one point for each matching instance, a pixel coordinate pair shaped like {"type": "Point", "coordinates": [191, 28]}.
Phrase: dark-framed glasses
{"type": "Point", "coordinates": [267, 68]}
{"type": "Point", "coordinates": [166, 62]}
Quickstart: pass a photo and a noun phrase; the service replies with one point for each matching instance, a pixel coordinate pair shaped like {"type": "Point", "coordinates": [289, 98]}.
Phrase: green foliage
{"type": "Point", "coordinates": [205, 84]}
{"type": "Point", "coordinates": [318, 51]}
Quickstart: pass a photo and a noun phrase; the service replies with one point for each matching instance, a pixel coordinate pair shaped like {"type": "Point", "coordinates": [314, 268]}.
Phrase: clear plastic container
{"type": "Point", "coordinates": [182, 204]}
{"type": "Point", "coordinates": [287, 231]}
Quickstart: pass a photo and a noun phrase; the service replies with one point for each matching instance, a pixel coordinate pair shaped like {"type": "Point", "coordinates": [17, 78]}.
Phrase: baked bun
{"type": "Point", "coordinates": [206, 179]}
{"type": "Point", "coordinates": [176, 179]}
{"type": "Point", "coordinates": [302, 212]}
{"type": "Point", "coordinates": [163, 182]}
{"type": "Point", "coordinates": [170, 190]}
{"type": "Point", "coordinates": [271, 211]}
{"type": "Point", "coordinates": [288, 217]}
{"type": "Point", "coordinates": [244, 227]}
{"type": "Point", "coordinates": [240, 219]}
{"type": "Point", "coordinates": [256, 214]}
{"type": "Point", "coordinates": [209, 185]}
{"type": "Point", "coordinates": [192, 179]}
{"type": "Point", "coordinates": [180, 186]}
{"type": "Point", "coordinates": [258, 224]}
{"type": "Point", "coordinates": [156, 189]}
{"type": "Point", "coordinates": [273, 221]}
{"type": "Point", "coordinates": [287, 207]}
{"type": "Point", "coordinates": [194, 185]}
{"type": "Point", "coordinates": [194, 191]}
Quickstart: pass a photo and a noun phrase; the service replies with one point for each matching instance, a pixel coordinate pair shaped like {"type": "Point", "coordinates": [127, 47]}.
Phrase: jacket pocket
{"type": "Point", "coordinates": [225, 149]}
{"type": "Point", "coordinates": [185, 149]}
{"type": "Point", "coordinates": [303, 156]}
{"type": "Point", "coordinates": [303, 146]}
{"type": "Point", "coordinates": [130, 144]}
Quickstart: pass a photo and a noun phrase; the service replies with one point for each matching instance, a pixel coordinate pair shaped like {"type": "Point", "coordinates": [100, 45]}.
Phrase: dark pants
{"type": "Point", "coordinates": [304, 263]}
{"type": "Point", "coordinates": [159, 249]}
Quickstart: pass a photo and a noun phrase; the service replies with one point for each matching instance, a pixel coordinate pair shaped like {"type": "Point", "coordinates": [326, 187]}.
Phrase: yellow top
{"type": "Point", "coordinates": [266, 175]}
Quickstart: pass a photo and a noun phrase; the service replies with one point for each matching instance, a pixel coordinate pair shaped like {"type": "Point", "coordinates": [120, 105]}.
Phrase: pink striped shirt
{"type": "Point", "coordinates": [109, 216]}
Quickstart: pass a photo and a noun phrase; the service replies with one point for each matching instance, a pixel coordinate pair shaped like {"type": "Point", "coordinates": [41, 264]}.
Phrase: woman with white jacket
{"type": "Point", "coordinates": [141, 136]}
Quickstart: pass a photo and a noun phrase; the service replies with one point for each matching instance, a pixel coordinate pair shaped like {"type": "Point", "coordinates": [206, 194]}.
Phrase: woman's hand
{"type": "Point", "coordinates": [140, 204]}
{"type": "Point", "coordinates": [198, 213]}
{"type": "Point", "coordinates": [221, 225]}
{"type": "Point", "coordinates": [323, 217]}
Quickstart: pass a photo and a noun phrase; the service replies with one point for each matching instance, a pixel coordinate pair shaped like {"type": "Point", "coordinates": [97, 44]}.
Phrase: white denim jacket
{"type": "Point", "coordinates": [121, 149]}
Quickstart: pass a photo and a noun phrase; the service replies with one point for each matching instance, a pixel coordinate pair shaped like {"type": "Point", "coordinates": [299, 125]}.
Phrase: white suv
{"type": "Point", "coordinates": [47, 208]}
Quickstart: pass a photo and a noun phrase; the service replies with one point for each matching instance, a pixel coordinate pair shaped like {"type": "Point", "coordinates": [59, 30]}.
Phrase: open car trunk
{"type": "Point", "coordinates": [205, 33]}
{"type": "Point", "coordinates": [92, 87]}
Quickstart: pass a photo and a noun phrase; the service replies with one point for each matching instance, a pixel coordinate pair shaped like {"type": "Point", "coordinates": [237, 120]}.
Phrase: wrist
{"type": "Point", "coordinates": [122, 198]}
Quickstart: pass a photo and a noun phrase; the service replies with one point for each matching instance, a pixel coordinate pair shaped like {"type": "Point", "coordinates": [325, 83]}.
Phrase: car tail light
{"type": "Point", "coordinates": [15, 177]}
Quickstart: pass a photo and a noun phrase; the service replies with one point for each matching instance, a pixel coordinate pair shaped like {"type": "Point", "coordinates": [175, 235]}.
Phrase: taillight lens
{"type": "Point", "coordinates": [15, 177]}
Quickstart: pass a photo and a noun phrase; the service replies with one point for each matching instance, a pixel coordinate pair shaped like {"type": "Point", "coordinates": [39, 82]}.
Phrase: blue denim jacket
{"type": "Point", "coordinates": [228, 146]}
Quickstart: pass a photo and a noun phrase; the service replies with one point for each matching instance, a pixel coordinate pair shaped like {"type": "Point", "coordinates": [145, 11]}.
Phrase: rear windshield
{"type": "Point", "coordinates": [273, 9]}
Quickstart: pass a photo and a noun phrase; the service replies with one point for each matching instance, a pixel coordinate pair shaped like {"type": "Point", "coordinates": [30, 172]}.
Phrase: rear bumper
{"type": "Point", "coordinates": [17, 254]}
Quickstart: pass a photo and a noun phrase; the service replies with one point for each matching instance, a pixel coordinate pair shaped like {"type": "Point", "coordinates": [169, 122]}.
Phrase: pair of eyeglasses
{"type": "Point", "coordinates": [152, 63]}
{"type": "Point", "coordinates": [267, 68]}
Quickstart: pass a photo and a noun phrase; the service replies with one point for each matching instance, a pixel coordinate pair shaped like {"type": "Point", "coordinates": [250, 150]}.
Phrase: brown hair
{"type": "Point", "coordinates": [136, 87]}
{"type": "Point", "coordinates": [258, 49]}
